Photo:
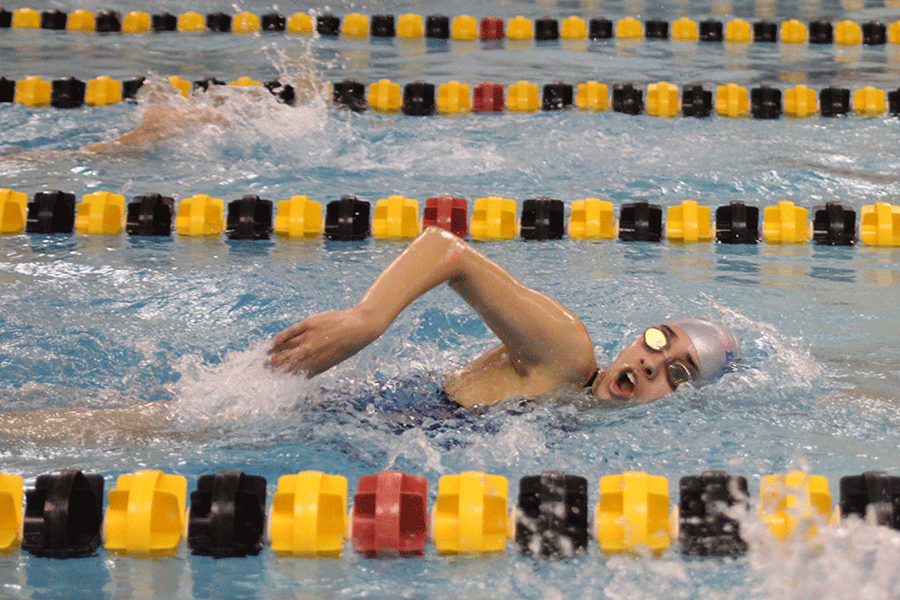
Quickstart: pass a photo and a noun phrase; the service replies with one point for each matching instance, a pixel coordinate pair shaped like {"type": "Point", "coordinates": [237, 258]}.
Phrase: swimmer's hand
{"type": "Point", "coordinates": [321, 341]}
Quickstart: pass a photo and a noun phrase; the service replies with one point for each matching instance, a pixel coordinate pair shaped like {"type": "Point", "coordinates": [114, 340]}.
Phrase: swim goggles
{"type": "Point", "coordinates": [656, 340]}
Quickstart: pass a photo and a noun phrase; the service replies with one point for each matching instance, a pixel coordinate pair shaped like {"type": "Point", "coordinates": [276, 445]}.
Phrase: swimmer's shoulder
{"type": "Point", "coordinates": [491, 378]}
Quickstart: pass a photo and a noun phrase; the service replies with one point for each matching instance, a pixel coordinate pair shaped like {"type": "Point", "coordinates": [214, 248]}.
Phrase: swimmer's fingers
{"type": "Point", "coordinates": [322, 323]}
{"type": "Point", "coordinates": [289, 338]}
{"type": "Point", "coordinates": [278, 359]}
{"type": "Point", "coordinates": [306, 357]}
{"type": "Point", "coordinates": [289, 361]}
{"type": "Point", "coordinates": [284, 353]}
{"type": "Point", "coordinates": [292, 349]}
{"type": "Point", "coordinates": [318, 356]}
{"type": "Point", "coordinates": [320, 342]}
{"type": "Point", "coordinates": [287, 347]}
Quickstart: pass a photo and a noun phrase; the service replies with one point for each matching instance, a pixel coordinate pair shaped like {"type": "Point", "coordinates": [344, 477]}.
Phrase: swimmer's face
{"type": "Point", "coordinates": [641, 374]}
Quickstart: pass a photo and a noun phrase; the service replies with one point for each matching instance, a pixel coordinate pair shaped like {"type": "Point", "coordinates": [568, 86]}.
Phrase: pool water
{"type": "Point", "coordinates": [89, 325]}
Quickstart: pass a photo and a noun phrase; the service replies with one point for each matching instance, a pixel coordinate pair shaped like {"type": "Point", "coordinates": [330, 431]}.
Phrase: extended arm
{"type": "Point", "coordinates": [160, 121]}
{"type": "Point", "coordinates": [537, 332]}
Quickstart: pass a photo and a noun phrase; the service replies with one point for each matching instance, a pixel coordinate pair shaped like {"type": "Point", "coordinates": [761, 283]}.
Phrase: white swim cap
{"type": "Point", "coordinates": [715, 344]}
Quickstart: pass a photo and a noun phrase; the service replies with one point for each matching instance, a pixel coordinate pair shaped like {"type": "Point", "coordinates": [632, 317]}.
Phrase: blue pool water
{"type": "Point", "coordinates": [91, 324]}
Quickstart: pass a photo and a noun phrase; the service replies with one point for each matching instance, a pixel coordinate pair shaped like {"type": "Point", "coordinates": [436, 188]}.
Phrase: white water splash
{"type": "Point", "coordinates": [771, 359]}
{"type": "Point", "coordinates": [241, 388]}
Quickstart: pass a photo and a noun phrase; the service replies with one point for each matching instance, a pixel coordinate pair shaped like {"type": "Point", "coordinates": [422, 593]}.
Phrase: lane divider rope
{"type": "Point", "coordinates": [463, 27]}
{"type": "Point", "coordinates": [493, 218]}
{"type": "Point", "coordinates": [148, 514]}
{"type": "Point", "coordinates": [661, 99]}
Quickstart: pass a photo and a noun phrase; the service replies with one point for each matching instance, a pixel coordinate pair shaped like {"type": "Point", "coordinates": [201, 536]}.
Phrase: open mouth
{"type": "Point", "coordinates": [623, 385]}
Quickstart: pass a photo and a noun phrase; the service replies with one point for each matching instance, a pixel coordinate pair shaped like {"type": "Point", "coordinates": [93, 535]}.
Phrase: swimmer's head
{"type": "Point", "coordinates": [694, 351]}
{"type": "Point", "coordinates": [716, 346]}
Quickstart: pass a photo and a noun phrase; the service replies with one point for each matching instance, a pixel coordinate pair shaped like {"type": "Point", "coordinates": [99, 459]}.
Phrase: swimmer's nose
{"type": "Point", "coordinates": [652, 365]}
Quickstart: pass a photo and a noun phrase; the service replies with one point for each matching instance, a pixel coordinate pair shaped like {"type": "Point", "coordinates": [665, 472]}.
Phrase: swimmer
{"type": "Point", "coordinates": [543, 346]}
{"type": "Point", "coordinates": [160, 122]}
{"type": "Point", "coordinates": [168, 115]}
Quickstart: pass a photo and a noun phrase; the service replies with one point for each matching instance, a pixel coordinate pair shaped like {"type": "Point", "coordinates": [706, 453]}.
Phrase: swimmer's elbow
{"type": "Point", "coordinates": [446, 248]}
{"type": "Point", "coordinates": [436, 235]}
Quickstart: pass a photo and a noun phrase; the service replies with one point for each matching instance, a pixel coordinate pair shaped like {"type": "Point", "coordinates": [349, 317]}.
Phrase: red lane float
{"type": "Point", "coordinates": [389, 515]}
{"type": "Point", "coordinates": [447, 213]}
{"type": "Point", "coordinates": [491, 29]}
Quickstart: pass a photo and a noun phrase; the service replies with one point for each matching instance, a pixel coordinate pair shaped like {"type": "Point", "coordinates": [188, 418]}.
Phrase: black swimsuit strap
{"type": "Point", "coordinates": [590, 382]}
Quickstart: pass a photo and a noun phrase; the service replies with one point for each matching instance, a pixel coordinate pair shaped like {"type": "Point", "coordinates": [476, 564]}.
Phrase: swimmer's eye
{"type": "Point", "coordinates": [678, 373]}
{"type": "Point", "coordinates": [656, 339]}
